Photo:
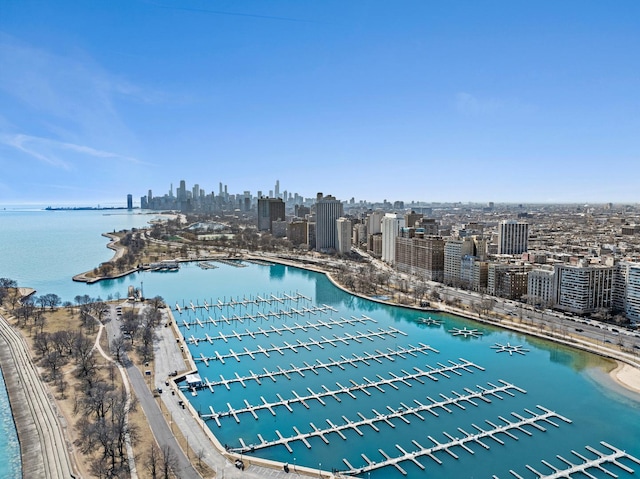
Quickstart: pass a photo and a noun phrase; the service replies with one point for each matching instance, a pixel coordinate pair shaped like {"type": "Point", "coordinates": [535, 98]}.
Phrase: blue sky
{"type": "Point", "coordinates": [516, 101]}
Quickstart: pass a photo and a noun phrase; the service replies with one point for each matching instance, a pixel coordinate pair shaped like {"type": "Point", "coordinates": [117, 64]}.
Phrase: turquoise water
{"type": "Point", "coordinates": [554, 377]}
{"type": "Point", "coordinates": [562, 380]}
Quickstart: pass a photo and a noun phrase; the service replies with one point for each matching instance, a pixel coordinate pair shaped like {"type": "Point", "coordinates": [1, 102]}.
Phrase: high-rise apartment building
{"type": "Point", "coordinates": [583, 288]}
{"type": "Point", "coordinates": [626, 297]}
{"type": "Point", "coordinates": [513, 237]}
{"type": "Point", "coordinates": [374, 222]}
{"type": "Point", "coordinates": [269, 210]}
{"type": "Point", "coordinates": [391, 224]}
{"type": "Point", "coordinates": [419, 254]}
{"type": "Point", "coordinates": [344, 231]}
{"type": "Point", "coordinates": [129, 202]}
{"type": "Point", "coordinates": [454, 250]}
{"type": "Point", "coordinates": [328, 210]}
{"type": "Point", "coordinates": [540, 284]}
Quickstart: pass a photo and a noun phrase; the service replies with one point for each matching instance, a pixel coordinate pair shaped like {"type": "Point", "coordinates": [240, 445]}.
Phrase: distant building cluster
{"type": "Point", "coordinates": [580, 260]}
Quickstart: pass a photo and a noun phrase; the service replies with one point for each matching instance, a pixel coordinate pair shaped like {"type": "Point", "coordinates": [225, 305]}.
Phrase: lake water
{"type": "Point", "coordinates": [572, 384]}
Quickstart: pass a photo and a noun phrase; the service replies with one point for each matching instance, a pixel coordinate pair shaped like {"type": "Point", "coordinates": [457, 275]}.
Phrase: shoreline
{"type": "Point", "coordinates": [626, 376]}
{"type": "Point", "coordinates": [629, 378]}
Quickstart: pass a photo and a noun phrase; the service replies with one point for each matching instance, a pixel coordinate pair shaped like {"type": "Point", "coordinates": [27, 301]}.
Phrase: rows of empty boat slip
{"type": "Point", "coordinates": [284, 328]}
{"type": "Point", "coordinates": [461, 439]}
{"type": "Point", "coordinates": [260, 316]}
{"type": "Point", "coordinates": [334, 341]}
{"type": "Point", "coordinates": [366, 358]}
{"type": "Point", "coordinates": [235, 318]}
{"type": "Point", "coordinates": [432, 373]}
{"type": "Point", "coordinates": [569, 469]}
{"type": "Point", "coordinates": [245, 302]}
{"type": "Point", "coordinates": [443, 403]}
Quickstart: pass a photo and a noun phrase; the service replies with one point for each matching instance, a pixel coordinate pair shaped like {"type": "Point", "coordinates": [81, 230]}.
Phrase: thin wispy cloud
{"type": "Point", "coordinates": [72, 92]}
{"type": "Point", "coordinates": [49, 151]}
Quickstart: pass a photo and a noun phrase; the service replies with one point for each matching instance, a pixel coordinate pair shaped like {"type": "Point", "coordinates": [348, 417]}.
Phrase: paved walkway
{"type": "Point", "coordinates": [44, 449]}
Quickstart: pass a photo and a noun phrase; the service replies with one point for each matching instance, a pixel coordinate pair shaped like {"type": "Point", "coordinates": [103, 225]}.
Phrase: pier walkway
{"type": "Point", "coordinates": [456, 441]}
{"type": "Point", "coordinates": [431, 373]}
{"type": "Point", "coordinates": [370, 335]}
{"type": "Point", "coordinates": [246, 302]}
{"type": "Point", "coordinates": [329, 324]}
{"type": "Point", "coordinates": [583, 468]}
{"type": "Point", "coordinates": [319, 365]}
{"type": "Point", "coordinates": [400, 412]}
{"type": "Point", "coordinates": [260, 316]}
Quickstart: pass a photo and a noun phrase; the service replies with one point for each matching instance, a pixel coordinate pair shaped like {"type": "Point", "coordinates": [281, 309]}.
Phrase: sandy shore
{"type": "Point", "coordinates": [627, 376]}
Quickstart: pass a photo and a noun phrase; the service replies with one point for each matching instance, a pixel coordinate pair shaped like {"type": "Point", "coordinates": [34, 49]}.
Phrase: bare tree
{"type": "Point", "coordinates": [153, 461]}
{"type": "Point", "coordinates": [168, 462]}
{"type": "Point", "coordinates": [119, 346]}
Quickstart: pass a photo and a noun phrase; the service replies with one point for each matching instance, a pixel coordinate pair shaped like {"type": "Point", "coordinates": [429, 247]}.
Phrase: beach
{"type": "Point", "coordinates": [627, 376]}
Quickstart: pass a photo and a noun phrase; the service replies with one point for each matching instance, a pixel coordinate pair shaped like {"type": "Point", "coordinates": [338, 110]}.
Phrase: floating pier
{"type": "Point", "coordinates": [460, 439]}
{"type": "Point", "coordinates": [258, 300]}
{"type": "Point", "coordinates": [400, 412]}
{"type": "Point", "coordinates": [510, 348]}
{"type": "Point", "coordinates": [366, 385]}
{"type": "Point", "coordinates": [467, 333]}
{"type": "Point", "coordinates": [430, 321]}
{"type": "Point", "coordinates": [581, 469]}
{"type": "Point", "coordinates": [314, 367]}
{"type": "Point", "coordinates": [381, 333]}
{"type": "Point", "coordinates": [329, 324]}
{"type": "Point", "coordinates": [264, 316]}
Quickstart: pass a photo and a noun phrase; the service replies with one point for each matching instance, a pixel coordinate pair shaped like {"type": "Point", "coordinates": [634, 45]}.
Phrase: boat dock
{"type": "Point", "coordinates": [329, 324]}
{"type": "Point", "coordinates": [460, 439]}
{"type": "Point", "coordinates": [401, 412]}
{"type": "Point", "coordinates": [255, 301]}
{"type": "Point", "coordinates": [610, 457]}
{"type": "Point", "coordinates": [381, 334]}
{"type": "Point", "coordinates": [364, 387]}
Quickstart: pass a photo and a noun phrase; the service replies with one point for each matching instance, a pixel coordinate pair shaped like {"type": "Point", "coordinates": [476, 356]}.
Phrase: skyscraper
{"type": "Point", "coordinates": [391, 224]}
{"type": "Point", "coordinates": [328, 210]}
{"type": "Point", "coordinates": [129, 202]}
{"type": "Point", "coordinates": [344, 229]}
{"type": "Point", "coordinates": [513, 237]}
{"type": "Point", "coordinates": [269, 210]}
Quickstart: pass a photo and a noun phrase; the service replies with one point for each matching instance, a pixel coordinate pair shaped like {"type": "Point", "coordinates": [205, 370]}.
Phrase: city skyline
{"type": "Point", "coordinates": [424, 101]}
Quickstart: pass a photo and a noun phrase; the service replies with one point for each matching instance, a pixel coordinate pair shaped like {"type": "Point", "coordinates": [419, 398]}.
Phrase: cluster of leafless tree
{"type": "Point", "coordinates": [99, 402]}
{"type": "Point", "coordinates": [8, 292]}
{"type": "Point", "coordinates": [138, 330]}
{"type": "Point", "coordinates": [362, 278]}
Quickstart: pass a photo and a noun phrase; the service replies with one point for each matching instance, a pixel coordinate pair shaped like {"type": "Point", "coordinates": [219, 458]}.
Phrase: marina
{"type": "Point", "coordinates": [286, 381]}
